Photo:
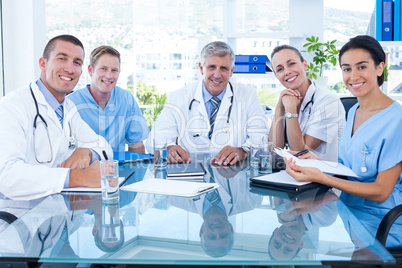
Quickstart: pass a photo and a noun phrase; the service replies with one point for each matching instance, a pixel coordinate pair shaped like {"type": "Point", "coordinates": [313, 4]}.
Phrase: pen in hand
{"type": "Point", "coordinates": [301, 153]}
{"type": "Point", "coordinates": [105, 155]}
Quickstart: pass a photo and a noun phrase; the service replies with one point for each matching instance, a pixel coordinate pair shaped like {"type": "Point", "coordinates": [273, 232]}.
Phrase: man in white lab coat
{"type": "Point", "coordinates": [45, 145]}
{"type": "Point", "coordinates": [212, 116]}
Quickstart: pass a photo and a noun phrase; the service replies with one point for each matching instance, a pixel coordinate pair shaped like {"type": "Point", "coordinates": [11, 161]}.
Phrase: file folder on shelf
{"type": "Point", "coordinates": [387, 20]}
{"type": "Point", "coordinates": [251, 68]}
{"type": "Point", "coordinates": [251, 59]}
{"type": "Point", "coordinates": [378, 20]}
{"type": "Point", "coordinates": [397, 20]}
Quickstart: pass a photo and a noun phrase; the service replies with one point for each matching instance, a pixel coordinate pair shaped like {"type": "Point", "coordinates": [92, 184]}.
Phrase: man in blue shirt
{"type": "Point", "coordinates": [110, 111]}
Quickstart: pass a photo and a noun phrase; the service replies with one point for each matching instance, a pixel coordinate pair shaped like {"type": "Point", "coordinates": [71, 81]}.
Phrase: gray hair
{"type": "Point", "coordinates": [217, 48]}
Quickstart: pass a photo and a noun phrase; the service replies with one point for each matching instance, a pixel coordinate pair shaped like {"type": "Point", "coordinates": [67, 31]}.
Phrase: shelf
{"type": "Point", "coordinates": [254, 76]}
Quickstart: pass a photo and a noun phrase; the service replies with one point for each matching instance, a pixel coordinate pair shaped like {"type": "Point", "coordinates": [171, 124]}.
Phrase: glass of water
{"type": "Point", "coordinates": [265, 157]}
{"type": "Point", "coordinates": [160, 153]}
{"type": "Point", "coordinates": [253, 153]}
{"type": "Point", "coordinates": [109, 170]}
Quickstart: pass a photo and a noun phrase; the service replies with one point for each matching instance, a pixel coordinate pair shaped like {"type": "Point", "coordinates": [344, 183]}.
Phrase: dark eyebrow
{"type": "Point", "coordinates": [61, 54]}
{"type": "Point", "coordinates": [361, 62]}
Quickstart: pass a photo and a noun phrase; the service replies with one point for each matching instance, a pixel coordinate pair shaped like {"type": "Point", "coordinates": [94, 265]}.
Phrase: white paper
{"type": "Point", "coordinates": [280, 177]}
{"type": "Point", "coordinates": [325, 166]}
{"type": "Point", "coordinates": [170, 187]}
{"type": "Point", "coordinates": [87, 189]}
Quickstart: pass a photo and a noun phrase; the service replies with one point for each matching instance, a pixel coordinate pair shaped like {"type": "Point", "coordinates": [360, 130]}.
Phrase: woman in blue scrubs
{"type": "Point", "coordinates": [370, 143]}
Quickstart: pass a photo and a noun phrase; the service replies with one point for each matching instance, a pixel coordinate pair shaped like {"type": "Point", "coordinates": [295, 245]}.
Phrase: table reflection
{"type": "Point", "coordinates": [236, 223]}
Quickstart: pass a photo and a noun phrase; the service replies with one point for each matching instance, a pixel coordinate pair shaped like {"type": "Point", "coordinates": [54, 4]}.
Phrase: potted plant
{"type": "Point", "coordinates": [323, 55]}
{"type": "Point", "coordinates": [384, 87]}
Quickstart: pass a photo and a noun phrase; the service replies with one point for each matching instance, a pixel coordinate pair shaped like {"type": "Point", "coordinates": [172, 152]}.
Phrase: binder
{"type": "Point", "coordinates": [262, 59]}
{"type": "Point", "coordinates": [397, 20]}
{"type": "Point", "coordinates": [378, 20]}
{"type": "Point", "coordinates": [387, 20]}
{"type": "Point", "coordinates": [251, 68]}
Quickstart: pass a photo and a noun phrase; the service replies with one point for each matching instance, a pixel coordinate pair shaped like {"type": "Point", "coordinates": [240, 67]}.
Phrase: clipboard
{"type": "Point", "coordinates": [185, 170]}
{"type": "Point", "coordinates": [171, 187]}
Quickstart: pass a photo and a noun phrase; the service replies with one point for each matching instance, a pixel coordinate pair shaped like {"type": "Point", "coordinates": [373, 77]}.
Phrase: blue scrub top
{"type": "Point", "coordinates": [377, 145]}
{"type": "Point", "coordinates": [122, 121]}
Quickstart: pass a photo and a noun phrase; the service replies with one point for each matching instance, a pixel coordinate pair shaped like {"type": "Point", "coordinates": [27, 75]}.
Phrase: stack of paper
{"type": "Point", "coordinates": [328, 167]}
{"type": "Point", "coordinates": [171, 187]}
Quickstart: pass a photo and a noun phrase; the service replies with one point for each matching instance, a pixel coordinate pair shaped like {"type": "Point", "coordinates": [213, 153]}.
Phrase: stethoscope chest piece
{"type": "Point", "coordinates": [71, 143]}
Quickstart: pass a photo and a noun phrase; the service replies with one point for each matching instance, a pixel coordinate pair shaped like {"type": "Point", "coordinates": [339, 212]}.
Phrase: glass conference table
{"type": "Point", "coordinates": [246, 227]}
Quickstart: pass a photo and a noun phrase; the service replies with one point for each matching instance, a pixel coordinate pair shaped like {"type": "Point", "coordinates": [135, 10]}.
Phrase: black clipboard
{"type": "Point", "coordinates": [291, 195]}
{"type": "Point", "coordinates": [190, 169]}
{"type": "Point", "coordinates": [284, 187]}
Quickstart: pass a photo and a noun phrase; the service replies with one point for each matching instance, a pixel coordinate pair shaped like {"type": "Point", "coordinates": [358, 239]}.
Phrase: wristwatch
{"type": "Point", "coordinates": [289, 115]}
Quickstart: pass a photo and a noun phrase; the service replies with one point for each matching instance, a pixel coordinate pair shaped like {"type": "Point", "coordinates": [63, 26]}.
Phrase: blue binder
{"type": "Point", "coordinates": [251, 59]}
{"type": "Point", "coordinates": [129, 156]}
{"type": "Point", "coordinates": [378, 20]}
{"type": "Point", "coordinates": [251, 68]}
{"type": "Point", "coordinates": [397, 20]}
{"type": "Point", "coordinates": [387, 20]}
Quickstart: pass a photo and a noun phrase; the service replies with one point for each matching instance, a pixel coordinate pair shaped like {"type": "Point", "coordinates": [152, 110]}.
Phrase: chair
{"type": "Point", "coordinates": [383, 229]}
{"type": "Point", "coordinates": [348, 102]}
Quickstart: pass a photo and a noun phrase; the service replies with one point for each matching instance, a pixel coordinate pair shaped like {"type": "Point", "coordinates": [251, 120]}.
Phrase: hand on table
{"type": "Point", "coordinates": [177, 155]}
{"type": "Point", "coordinates": [229, 156]}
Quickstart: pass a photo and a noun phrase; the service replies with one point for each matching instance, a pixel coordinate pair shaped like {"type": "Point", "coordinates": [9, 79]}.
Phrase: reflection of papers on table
{"type": "Point", "coordinates": [325, 166]}
{"type": "Point", "coordinates": [87, 189]}
{"type": "Point", "coordinates": [171, 187]}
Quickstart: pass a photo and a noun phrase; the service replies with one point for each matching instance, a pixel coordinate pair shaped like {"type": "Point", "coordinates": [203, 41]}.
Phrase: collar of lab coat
{"type": "Point", "coordinates": [224, 105]}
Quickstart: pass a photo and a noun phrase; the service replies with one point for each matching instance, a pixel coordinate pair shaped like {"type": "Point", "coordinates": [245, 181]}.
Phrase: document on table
{"type": "Point", "coordinates": [124, 176]}
{"type": "Point", "coordinates": [171, 187]}
{"type": "Point", "coordinates": [329, 167]}
{"type": "Point", "coordinates": [87, 189]}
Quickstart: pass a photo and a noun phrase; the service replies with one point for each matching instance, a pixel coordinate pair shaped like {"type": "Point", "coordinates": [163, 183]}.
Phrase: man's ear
{"type": "Point", "coordinates": [200, 66]}
{"type": "Point", "coordinates": [90, 70]}
{"type": "Point", "coordinates": [42, 64]}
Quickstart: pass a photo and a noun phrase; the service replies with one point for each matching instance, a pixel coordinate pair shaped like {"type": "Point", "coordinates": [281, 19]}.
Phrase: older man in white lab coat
{"type": "Point", "coordinates": [212, 116]}
{"type": "Point", "coordinates": [45, 145]}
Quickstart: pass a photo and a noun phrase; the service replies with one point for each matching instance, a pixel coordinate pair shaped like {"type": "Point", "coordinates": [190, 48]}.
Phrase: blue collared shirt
{"type": "Point", "coordinates": [207, 99]}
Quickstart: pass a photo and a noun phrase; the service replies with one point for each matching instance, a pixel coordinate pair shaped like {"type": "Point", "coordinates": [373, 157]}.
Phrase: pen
{"type": "Point", "coordinates": [301, 153]}
{"type": "Point", "coordinates": [105, 155]}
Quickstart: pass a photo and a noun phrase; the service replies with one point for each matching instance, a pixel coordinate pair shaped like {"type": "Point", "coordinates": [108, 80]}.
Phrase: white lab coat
{"type": "Point", "coordinates": [50, 215]}
{"type": "Point", "coordinates": [191, 126]}
{"type": "Point", "coordinates": [21, 176]}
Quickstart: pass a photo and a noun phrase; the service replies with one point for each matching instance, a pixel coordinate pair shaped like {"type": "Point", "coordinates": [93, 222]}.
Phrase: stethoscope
{"type": "Point", "coordinates": [226, 128]}
{"type": "Point", "coordinates": [71, 140]}
{"type": "Point", "coordinates": [43, 237]}
{"type": "Point", "coordinates": [309, 105]}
